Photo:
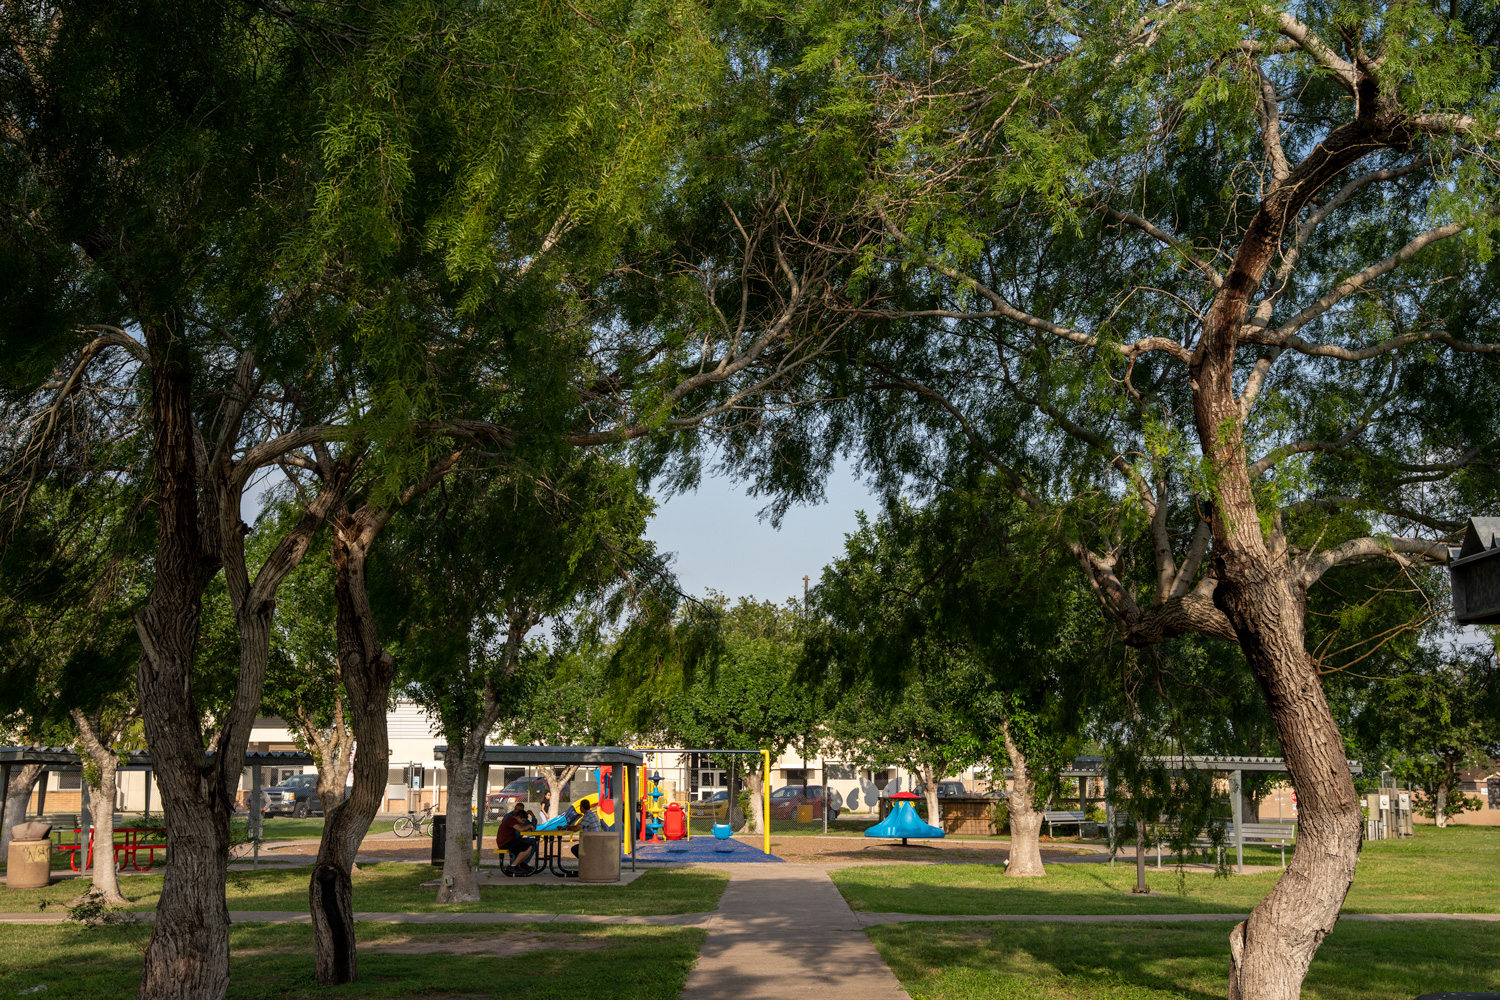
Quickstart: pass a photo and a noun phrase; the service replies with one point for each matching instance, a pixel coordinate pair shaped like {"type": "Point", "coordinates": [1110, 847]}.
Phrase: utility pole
{"type": "Point", "coordinates": [804, 596]}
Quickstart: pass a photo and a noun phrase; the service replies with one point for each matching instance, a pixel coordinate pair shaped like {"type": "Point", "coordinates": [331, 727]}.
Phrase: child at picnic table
{"type": "Point", "coordinates": [581, 816]}
{"type": "Point", "coordinates": [508, 838]}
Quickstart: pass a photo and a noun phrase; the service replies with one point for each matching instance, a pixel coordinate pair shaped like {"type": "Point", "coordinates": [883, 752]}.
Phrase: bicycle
{"type": "Point", "coordinates": [412, 823]}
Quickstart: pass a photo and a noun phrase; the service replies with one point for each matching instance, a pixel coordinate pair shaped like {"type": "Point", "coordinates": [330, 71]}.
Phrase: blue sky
{"type": "Point", "coordinates": [720, 542]}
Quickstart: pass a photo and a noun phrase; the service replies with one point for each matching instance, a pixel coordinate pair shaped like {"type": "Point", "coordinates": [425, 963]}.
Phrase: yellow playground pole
{"type": "Point", "coordinates": [765, 769]}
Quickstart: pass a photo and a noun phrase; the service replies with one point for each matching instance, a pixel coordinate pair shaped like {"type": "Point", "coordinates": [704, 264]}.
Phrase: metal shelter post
{"type": "Point", "coordinates": [631, 777]}
{"type": "Point", "coordinates": [41, 793]}
{"type": "Point", "coordinates": [765, 760]}
{"type": "Point", "coordinates": [1237, 801]}
{"type": "Point", "coordinates": [149, 773]}
{"type": "Point", "coordinates": [257, 822]}
{"type": "Point", "coordinates": [823, 769]}
{"type": "Point", "coordinates": [481, 796]}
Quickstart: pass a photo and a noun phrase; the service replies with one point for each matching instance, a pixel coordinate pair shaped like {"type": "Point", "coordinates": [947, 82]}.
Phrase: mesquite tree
{"type": "Point", "coordinates": [472, 572]}
{"type": "Point", "coordinates": [1219, 273]}
{"type": "Point", "coordinates": [938, 655]}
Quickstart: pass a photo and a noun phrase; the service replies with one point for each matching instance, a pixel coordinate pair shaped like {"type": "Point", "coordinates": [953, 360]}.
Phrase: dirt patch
{"type": "Point", "coordinates": [500, 946]}
{"type": "Point", "coordinates": [862, 849]}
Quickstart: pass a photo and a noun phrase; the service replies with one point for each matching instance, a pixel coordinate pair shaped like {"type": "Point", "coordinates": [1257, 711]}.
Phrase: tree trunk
{"type": "Point", "coordinates": [1276, 945]}
{"type": "Point", "coordinates": [367, 670]}
{"type": "Point", "coordinates": [1140, 856]}
{"type": "Point", "coordinates": [757, 818]}
{"type": "Point", "coordinates": [106, 883]}
{"type": "Point", "coordinates": [23, 780]}
{"type": "Point", "coordinates": [557, 778]}
{"type": "Point", "coordinates": [1440, 806]}
{"type": "Point", "coordinates": [460, 883]}
{"type": "Point", "coordinates": [1025, 818]}
{"type": "Point", "coordinates": [1264, 600]}
{"type": "Point", "coordinates": [929, 792]}
{"type": "Point", "coordinates": [334, 753]}
{"type": "Point", "coordinates": [187, 957]}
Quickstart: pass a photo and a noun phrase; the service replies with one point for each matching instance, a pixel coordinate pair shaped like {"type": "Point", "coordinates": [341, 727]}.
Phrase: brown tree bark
{"type": "Point", "coordinates": [368, 670]}
{"type": "Point", "coordinates": [187, 957]}
{"type": "Point", "coordinates": [23, 780]}
{"type": "Point", "coordinates": [1025, 818]}
{"type": "Point", "coordinates": [334, 750]}
{"type": "Point", "coordinates": [199, 532]}
{"type": "Point", "coordinates": [1261, 594]}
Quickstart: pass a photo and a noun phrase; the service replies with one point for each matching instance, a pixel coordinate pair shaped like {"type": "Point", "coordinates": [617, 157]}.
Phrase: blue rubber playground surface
{"type": "Point", "coordinates": [701, 849]}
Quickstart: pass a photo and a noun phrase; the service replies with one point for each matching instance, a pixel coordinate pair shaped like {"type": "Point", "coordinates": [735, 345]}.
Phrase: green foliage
{"type": "Point", "coordinates": [941, 624]}
{"type": "Point", "coordinates": [751, 700]}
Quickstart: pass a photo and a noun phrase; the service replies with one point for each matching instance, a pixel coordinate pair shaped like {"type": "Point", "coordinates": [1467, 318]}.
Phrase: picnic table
{"type": "Point", "coordinates": [138, 841]}
{"type": "Point", "coordinates": [551, 844]}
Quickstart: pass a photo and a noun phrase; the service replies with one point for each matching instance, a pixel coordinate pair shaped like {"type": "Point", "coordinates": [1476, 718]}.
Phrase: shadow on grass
{"type": "Point", "coordinates": [276, 961]}
{"type": "Point", "coordinates": [1356, 962]}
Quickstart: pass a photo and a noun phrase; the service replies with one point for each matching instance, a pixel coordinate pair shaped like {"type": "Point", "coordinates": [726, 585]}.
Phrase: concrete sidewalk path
{"type": "Point", "coordinates": [294, 917]}
{"type": "Point", "coordinates": [871, 919]}
{"type": "Point", "coordinates": [783, 932]}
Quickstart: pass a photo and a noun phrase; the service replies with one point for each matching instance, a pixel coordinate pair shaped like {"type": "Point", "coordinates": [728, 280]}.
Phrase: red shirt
{"type": "Point", "coordinates": [507, 831]}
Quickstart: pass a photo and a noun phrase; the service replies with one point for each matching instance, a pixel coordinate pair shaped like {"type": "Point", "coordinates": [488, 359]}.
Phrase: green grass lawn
{"type": "Point", "coordinates": [1175, 961]}
{"type": "Point", "coordinates": [275, 961]}
{"type": "Point", "coordinates": [395, 887]}
{"type": "Point", "coordinates": [1439, 871]}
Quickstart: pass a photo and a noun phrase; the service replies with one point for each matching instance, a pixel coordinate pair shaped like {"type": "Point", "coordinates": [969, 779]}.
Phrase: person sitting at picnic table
{"type": "Point", "coordinates": [581, 816]}
{"type": "Point", "coordinates": [508, 838]}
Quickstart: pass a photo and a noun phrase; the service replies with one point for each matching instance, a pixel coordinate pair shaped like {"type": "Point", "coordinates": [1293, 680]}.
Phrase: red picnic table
{"type": "Point", "coordinates": [127, 852]}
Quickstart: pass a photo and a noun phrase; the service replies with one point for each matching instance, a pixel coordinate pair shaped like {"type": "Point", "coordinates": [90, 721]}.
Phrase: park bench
{"type": "Point", "coordinates": [1269, 834]}
{"type": "Point", "coordinates": [1067, 817]}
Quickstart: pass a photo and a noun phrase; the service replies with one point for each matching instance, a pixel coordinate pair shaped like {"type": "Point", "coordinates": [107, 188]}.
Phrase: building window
{"type": "Point", "coordinates": [69, 780]}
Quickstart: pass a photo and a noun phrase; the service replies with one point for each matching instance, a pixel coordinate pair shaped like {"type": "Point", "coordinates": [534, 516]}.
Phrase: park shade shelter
{"type": "Point", "coordinates": [1235, 767]}
{"type": "Point", "coordinates": [67, 759]}
{"type": "Point", "coordinates": [629, 761]}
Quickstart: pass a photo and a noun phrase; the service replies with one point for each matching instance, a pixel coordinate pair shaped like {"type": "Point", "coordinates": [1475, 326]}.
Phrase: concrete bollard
{"type": "Point", "coordinates": [28, 862]}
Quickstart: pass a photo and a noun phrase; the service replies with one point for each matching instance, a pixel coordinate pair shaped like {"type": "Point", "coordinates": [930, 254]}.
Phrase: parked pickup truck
{"type": "Point", "coordinates": [296, 796]}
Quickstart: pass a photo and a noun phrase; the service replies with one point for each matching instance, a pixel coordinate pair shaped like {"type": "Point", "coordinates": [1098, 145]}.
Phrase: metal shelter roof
{"type": "Point", "coordinates": [66, 759]}
{"type": "Point", "coordinates": [553, 755]}
{"type": "Point", "coordinates": [1090, 767]}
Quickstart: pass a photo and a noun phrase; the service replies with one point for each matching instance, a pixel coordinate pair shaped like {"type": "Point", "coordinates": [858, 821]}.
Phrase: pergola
{"type": "Point", "coordinates": [628, 760]}
{"type": "Point", "coordinates": [66, 759]}
{"type": "Point", "coordinates": [1093, 767]}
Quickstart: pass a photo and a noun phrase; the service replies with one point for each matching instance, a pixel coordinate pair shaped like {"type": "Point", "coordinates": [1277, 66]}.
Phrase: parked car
{"type": "Point", "coordinates": [716, 806]}
{"type": "Point", "coordinates": [785, 800]}
{"type": "Point", "coordinates": [520, 790]}
{"type": "Point", "coordinates": [951, 789]}
{"type": "Point", "coordinates": [296, 796]}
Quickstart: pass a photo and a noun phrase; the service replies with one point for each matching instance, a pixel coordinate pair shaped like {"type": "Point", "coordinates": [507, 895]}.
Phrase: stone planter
{"type": "Point", "coordinates": [599, 856]}
{"type": "Point", "coordinates": [28, 863]}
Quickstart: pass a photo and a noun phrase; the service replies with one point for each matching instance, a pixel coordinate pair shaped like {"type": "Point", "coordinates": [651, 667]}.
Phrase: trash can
{"type": "Point", "coordinates": [439, 838]}
{"type": "Point", "coordinates": [599, 856]}
{"type": "Point", "coordinates": [28, 862]}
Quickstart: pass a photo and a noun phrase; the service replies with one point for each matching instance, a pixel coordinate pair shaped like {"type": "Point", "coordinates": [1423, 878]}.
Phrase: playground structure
{"type": "Point", "coordinates": [665, 817]}
{"type": "Point", "coordinates": [904, 823]}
